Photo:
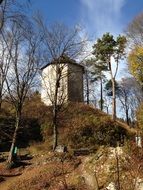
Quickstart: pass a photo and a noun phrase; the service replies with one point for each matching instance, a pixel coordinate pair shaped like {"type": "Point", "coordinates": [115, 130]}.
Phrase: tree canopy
{"type": "Point", "coordinates": [104, 50]}
{"type": "Point", "coordinates": [135, 63]}
{"type": "Point", "coordinates": [134, 31]}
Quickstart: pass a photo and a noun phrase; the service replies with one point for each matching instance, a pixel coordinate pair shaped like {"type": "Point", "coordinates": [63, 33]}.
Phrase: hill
{"type": "Point", "coordinates": [80, 127]}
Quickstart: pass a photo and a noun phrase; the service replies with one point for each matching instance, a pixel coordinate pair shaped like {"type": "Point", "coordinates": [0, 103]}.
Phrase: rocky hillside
{"type": "Point", "coordinates": [106, 168]}
{"type": "Point", "coordinates": [101, 153]}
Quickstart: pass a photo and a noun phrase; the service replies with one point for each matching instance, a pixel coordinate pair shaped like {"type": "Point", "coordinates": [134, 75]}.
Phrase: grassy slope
{"type": "Point", "coordinates": [79, 126]}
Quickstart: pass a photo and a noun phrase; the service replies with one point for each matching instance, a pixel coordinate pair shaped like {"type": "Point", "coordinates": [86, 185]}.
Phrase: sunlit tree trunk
{"type": "Point", "coordinates": [101, 94]}
{"type": "Point", "coordinates": [55, 107]}
{"type": "Point", "coordinates": [55, 131]}
{"type": "Point", "coordinates": [87, 87]}
{"type": "Point", "coordinates": [14, 139]}
{"type": "Point", "coordinates": [113, 100]}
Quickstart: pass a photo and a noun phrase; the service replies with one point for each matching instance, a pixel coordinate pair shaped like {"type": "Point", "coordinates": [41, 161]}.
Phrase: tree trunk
{"type": "Point", "coordinates": [113, 100]}
{"type": "Point", "coordinates": [87, 87]}
{"type": "Point", "coordinates": [127, 116]}
{"type": "Point", "coordinates": [1, 97]}
{"type": "Point", "coordinates": [14, 139]}
{"type": "Point", "coordinates": [107, 110]}
{"type": "Point", "coordinates": [126, 110]}
{"type": "Point", "coordinates": [55, 107]}
{"type": "Point", "coordinates": [55, 131]}
{"type": "Point", "coordinates": [101, 95]}
{"type": "Point", "coordinates": [0, 105]}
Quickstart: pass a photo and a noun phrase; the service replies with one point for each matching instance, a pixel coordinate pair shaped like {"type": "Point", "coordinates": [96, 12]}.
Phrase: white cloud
{"type": "Point", "coordinates": [102, 16]}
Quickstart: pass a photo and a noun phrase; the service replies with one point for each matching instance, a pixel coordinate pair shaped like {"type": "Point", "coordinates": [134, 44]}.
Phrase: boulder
{"type": "Point", "coordinates": [61, 149]}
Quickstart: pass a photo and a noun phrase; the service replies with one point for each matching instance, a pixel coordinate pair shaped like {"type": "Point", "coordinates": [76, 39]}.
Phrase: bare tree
{"type": "Point", "coordinates": [5, 59]}
{"type": "Point", "coordinates": [130, 96]}
{"type": "Point", "coordinates": [24, 52]}
{"type": "Point", "coordinates": [124, 97]}
{"type": "Point", "coordinates": [59, 41]}
{"type": "Point", "coordinates": [4, 55]}
{"type": "Point", "coordinates": [134, 31]}
{"type": "Point", "coordinates": [10, 12]}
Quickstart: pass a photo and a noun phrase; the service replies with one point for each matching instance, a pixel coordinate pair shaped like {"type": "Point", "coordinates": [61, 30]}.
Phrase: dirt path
{"type": "Point", "coordinates": [11, 177]}
{"type": "Point", "coordinates": [8, 180]}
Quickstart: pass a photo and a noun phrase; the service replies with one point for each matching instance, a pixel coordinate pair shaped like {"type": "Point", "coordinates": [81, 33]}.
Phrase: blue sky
{"type": "Point", "coordinates": [96, 16]}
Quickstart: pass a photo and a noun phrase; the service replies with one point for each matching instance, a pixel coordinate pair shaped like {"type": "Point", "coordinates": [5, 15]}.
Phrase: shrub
{"type": "Point", "coordinates": [46, 129]}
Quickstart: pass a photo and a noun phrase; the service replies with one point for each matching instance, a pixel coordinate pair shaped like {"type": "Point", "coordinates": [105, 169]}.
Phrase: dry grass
{"type": "Point", "coordinates": [51, 174]}
{"type": "Point", "coordinates": [81, 126]}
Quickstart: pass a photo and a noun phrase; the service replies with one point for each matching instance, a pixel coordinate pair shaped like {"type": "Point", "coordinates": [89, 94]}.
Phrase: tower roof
{"type": "Point", "coordinates": [64, 59]}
